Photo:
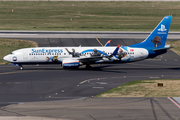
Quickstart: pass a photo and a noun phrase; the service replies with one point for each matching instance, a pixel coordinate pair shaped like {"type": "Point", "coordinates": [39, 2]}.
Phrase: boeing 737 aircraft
{"type": "Point", "coordinates": [73, 57]}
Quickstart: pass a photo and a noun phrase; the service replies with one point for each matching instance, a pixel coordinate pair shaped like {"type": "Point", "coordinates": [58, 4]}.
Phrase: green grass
{"type": "Point", "coordinates": [87, 16]}
{"type": "Point", "coordinates": [9, 45]}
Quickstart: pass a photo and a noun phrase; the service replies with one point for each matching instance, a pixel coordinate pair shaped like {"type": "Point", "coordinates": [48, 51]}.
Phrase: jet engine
{"type": "Point", "coordinates": [69, 63]}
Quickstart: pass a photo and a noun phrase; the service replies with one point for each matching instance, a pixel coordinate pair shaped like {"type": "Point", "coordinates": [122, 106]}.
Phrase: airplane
{"type": "Point", "coordinates": [73, 57]}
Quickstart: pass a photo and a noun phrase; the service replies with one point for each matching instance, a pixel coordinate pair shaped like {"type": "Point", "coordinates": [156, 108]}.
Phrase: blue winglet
{"type": "Point", "coordinates": [116, 50]}
{"type": "Point", "coordinates": [107, 44]}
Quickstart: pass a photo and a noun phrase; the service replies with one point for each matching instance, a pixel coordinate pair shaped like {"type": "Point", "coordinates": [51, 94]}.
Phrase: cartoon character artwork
{"type": "Point", "coordinates": [95, 53]}
{"type": "Point", "coordinates": [55, 59]}
{"type": "Point", "coordinates": [73, 53]}
{"type": "Point", "coordinates": [156, 41]}
{"type": "Point", "coordinates": [121, 53]}
{"type": "Point", "coordinates": [47, 58]}
{"type": "Point", "coordinates": [52, 59]}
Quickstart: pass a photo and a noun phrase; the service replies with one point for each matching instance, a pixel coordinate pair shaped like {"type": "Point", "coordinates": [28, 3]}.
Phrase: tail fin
{"type": "Point", "coordinates": [157, 38]}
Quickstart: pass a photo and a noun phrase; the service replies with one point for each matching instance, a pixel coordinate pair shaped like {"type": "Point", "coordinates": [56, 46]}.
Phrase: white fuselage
{"type": "Point", "coordinates": [58, 54]}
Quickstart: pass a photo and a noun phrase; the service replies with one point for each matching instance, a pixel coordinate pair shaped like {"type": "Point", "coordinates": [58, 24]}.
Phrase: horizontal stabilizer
{"type": "Point", "coordinates": [165, 48]}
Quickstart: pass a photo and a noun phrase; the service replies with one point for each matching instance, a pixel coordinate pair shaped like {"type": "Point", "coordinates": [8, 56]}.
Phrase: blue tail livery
{"type": "Point", "coordinates": [157, 38]}
{"type": "Point", "coordinates": [155, 42]}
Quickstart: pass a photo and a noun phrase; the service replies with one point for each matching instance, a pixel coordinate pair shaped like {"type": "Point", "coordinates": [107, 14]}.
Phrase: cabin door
{"type": "Point", "coordinates": [25, 54]}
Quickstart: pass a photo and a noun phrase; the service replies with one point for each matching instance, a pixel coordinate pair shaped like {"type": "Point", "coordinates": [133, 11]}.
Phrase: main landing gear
{"type": "Point", "coordinates": [88, 66]}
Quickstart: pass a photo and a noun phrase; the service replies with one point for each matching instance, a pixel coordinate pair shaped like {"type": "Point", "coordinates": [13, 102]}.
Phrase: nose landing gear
{"type": "Point", "coordinates": [20, 66]}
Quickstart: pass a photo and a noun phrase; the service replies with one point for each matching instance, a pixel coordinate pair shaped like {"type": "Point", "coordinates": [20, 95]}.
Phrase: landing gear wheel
{"type": "Point", "coordinates": [88, 66]}
{"type": "Point", "coordinates": [21, 68]}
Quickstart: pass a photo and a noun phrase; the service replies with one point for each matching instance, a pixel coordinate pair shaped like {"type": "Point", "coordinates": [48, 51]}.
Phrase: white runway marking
{"type": "Point", "coordinates": [17, 34]}
{"type": "Point", "coordinates": [102, 83]}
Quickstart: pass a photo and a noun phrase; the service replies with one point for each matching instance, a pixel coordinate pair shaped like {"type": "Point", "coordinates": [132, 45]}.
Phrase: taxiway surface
{"type": "Point", "coordinates": [75, 88]}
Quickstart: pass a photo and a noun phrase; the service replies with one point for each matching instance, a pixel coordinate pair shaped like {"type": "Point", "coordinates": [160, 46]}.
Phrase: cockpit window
{"type": "Point", "coordinates": [12, 53]}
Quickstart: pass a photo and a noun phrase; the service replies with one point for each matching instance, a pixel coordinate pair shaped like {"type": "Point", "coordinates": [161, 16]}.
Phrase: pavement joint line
{"type": "Point", "coordinates": [99, 87]}
{"type": "Point", "coordinates": [18, 72]}
{"type": "Point", "coordinates": [154, 59]}
{"type": "Point", "coordinates": [13, 72]}
{"type": "Point", "coordinates": [144, 64]}
{"type": "Point", "coordinates": [73, 98]}
{"type": "Point", "coordinates": [62, 97]}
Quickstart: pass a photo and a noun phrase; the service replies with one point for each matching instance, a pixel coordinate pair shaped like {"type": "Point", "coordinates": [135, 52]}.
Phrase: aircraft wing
{"type": "Point", "coordinates": [90, 59]}
{"type": "Point", "coordinates": [97, 58]}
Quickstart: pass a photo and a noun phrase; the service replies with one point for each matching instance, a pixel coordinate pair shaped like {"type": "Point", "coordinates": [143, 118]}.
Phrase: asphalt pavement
{"type": "Point", "coordinates": [50, 92]}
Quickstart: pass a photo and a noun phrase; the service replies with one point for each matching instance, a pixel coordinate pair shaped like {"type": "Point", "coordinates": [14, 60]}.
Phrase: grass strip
{"type": "Point", "coordinates": [176, 46]}
{"type": "Point", "coordinates": [86, 16]}
{"type": "Point", "coordinates": [145, 88]}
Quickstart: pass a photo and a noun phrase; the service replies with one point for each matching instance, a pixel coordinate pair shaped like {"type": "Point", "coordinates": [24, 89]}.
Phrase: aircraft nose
{"type": "Point", "coordinates": [7, 58]}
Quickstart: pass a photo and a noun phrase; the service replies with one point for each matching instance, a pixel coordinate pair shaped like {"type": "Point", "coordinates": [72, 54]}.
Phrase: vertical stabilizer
{"type": "Point", "coordinates": [157, 38]}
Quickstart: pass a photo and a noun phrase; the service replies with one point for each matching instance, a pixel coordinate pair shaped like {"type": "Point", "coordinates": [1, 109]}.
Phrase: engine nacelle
{"type": "Point", "coordinates": [70, 63]}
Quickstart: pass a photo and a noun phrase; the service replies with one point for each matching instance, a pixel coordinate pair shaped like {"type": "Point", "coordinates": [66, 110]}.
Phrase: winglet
{"type": "Point", "coordinates": [116, 50]}
{"type": "Point", "coordinates": [107, 44]}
